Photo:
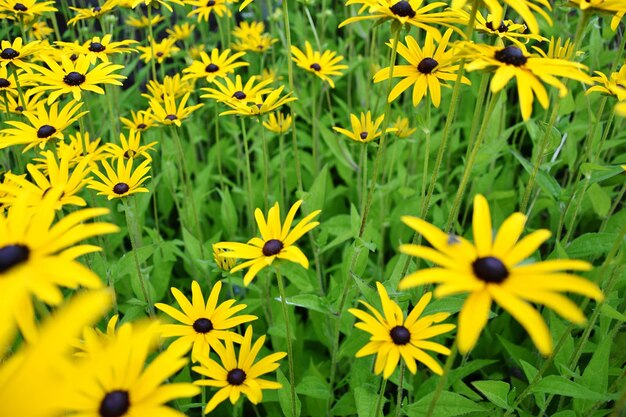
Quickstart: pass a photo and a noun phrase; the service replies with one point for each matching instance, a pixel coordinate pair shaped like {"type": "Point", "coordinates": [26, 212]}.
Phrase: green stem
{"type": "Point", "coordinates": [216, 120]}
{"type": "Point", "coordinates": [381, 397]}
{"type": "Point", "coordinates": [151, 40]}
{"type": "Point", "coordinates": [292, 377]}
{"type": "Point", "coordinates": [314, 132]}
{"type": "Point", "coordinates": [442, 380]}
{"type": "Point", "coordinates": [248, 172]}
{"type": "Point", "coordinates": [266, 165]}
{"type": "Point", "coordinates": [400, 390]}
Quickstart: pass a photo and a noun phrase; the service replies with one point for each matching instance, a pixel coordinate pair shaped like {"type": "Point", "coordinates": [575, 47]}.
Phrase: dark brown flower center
{"type": "Point", "coordinates": [400, 335]}
{"type": "Point", "coordinates": [403, 9]}
{"type": "Point", "coordinates": [511, 55]}
{"type": "Point", "coordinates": [141, 126]}
{"type": "Point", "coordinates": [202, 325]}
{"type": "Point", "coordinates": [315, 67]}
{"type": "Point", "coordinates": [12, 255]}
{"type": "Point", "coordinates": [97, 9]}
{"type": "Point", "coordinates": [236, 376]}
{"type": "Point", "coordinates": [19, 7]}
{"type": "Point", "coordinates": [45, 131]}
{"type": "Point", "coordinates": [363, 135]}
{"type": "Point", "coordinates": [502, 28]}
{"type": "Point", "coordinates": [239, 95]}
{"type": "Point", "coordinates": [171, 117]}
{"type": "Point", "coordinates": [121, 188]}
{"type": "Point", "coordinates": [427, 65]}
{"type": "Point", "coordinates": [159, 54]}
{"type": "Point", "coordinates": [210, 3]}
{"type": "Point", "coordinates": [4, 83]}
{"type": "Point", "coordinates": [73, 57]}
{"type": "Point", "coordinates": [74, 79]}
{"type": "Point", "coordinates": [272, 247]}
{"type": "Point", "coordinates": [211, 68]}
{"type": "Point", "coordinates": [9, 53]}
{"type": "Point", "coordinates": [19, 108]}
{"type": "Point", "coordinates": [96, 47]}
{"type": "Point", "coordinates": [490, 269]}
{"type": "Point", "coordinates": [129, 154]}
{"type": "Point", "coordinates": [114, 404]}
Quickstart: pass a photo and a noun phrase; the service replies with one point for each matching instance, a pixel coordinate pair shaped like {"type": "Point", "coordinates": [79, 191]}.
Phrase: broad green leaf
{"type": "Point", "coordinates": [590, 245]}
{"type": "Point", "coordinates": [559, 385]}
{"type": "Point", "coordinates": [596, 374]}
{"type": "Point", "coordinates": [600, 201]}
{"type": "Point", "coordinates": [310, 302]}
{"type": "Point", "coordinates": [449, 404]}
{"type": "Point", "coordinates": [496, 391]}
{"type": "Point", "coordinates": [530, 372]}
{"type": "Point", "coordinates": [314, 386]}
{"type": "Point", "coordinates": [545, 181]}
{"type": "Point", "coordinates": [365, 400]}
{"type": "Point", "coordinates": [284, 396]}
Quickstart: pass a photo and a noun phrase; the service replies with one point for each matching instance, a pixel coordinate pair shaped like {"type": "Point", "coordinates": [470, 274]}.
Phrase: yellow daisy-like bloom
{"type": "Point", "coordinates": [278, 123]}
{"type": "Point", "coordinates": [238, 374]}
{"type": "Point", "coordinates": [276, 242]}
{"type": "Point", "coordinates": [168, 113]}
{"type": "Point", "coordinates": [204, 8]}
{"type": "Point", "coordinates": [41, 365]}
{"type": "Point", "coordinates": [82, 146]}
{"type": "Point", "coordinates": [143, 21]}
{"type": "Point", "coordinates": [394, 337]}
{"type": "Point", "coordinates": [99, 48]}
{"type": "Point", "coordinates": [321, 64]}
{"type": "Point", "coordinates": [37, 257]}
{"type": "Point", "coordinates": [505, 30]}
{"type": "Point", "coordinates": [428, 68]}
{"type": "Point", "coordinates": [364, 129]}
{"type": "Point", "coordinates": [245, 4]}
{"type": "Point", "coordinates": [494, 270]}
{"type": "Point", "coordinates": [130, 148]}
{"type": "Point", "coordinates": [620, 109]}
{"type": "Point", "coordinates": [162, 50]}
{"type": "Point", "coordinates": [525, 8]}
{"type": "Point", "coordinates": [172, 85]}
{"type": "Point", "coordinates": [203, 325]}
{"type": "Point", "coordinates": [261, 106]}
{"type": "Point", "coordinates": [74, 77]}
{"type": "Point", "coordinates": [251, 37]}
{"type": "Point", "coordinates": [557, 48]}
{"type": "Point", "coordinates": [31, 8]}
{"type": "Point", "coordinates": [225, 264]}
{"type": "Point", "coordinates": [180, 32]}
{"type": "Point", "coordinates": [8, 84]}
{"type": "Point", "coordinates": [218, 65]}
{"type": "Point", "coordinates": [15, 104]}
{"type": "Point", "coordinates": [617, 7]}
{"type": "Point", "coordinates": [44, 125]}
{"type": "Point", "coordinates": [92, 12]}
{"type": "Point", "coordinates": [614, 86]}
{"type": "Point", "coordinates": [39, 30]}
{"type": "Point", "coordinates": [236, 92]}
{"type": "Point", "coordinates": [17, 53]}
{"type": "Point", "coordinates": [161, 2]}
{"type": "Point", "coordinates": [113, 380]}
{"type": "Point", "coordinates": [141, 120]}
{"type": "Point", "coordinates": [403, 130]}
{"type": "Point", "coordinates": [530, 70]}
{"type": "Point", "coordinates": [124, 181]}
{"type": "Point", "coordinates": [411, 12]}
{"type": "Point", "coordinates": [59, 177]}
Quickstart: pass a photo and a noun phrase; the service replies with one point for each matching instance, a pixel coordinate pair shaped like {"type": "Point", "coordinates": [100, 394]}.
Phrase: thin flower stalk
{"type": "Point", "coordinates": [292, 376]}
{"type": "Point", "coordinates": [244, 132]}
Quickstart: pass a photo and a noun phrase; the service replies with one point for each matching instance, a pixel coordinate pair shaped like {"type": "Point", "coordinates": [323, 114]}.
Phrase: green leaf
{"type": "Point", "coordinates": [596, 374]}
{"type": "Point", "coordinates": [310, 302]}
{"type": "Point", "coordinates": [496, 391]}
{"type": "Point", "coordinates": [314, 386]}
{"type": "Point", "coordinates": [608, 311]}
{"type": "Point", "coordinates": [590, 245]}
{"type": "Point", "coordinates": [600, 201]}
{"type": "Point", "coordinates": [228, 213]}
{"type": "Point", "coordinates": [284, 396]}
{"type": "Point", "coordinates": [547, 182]}
{"type": "Point", "coordinates": [559, 385]}
{"type": "Point", "coordinates": [530, 372]}
{"type": "Point", "coordinates": [449, 404]}
{"type": "Point", "coordinates": [365, 400]}
{"type": "Point", "coordinates": [314, 199]}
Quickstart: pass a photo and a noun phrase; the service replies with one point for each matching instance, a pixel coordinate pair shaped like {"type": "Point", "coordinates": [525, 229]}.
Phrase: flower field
{"type": "Point", "coordinates": [310, 208]}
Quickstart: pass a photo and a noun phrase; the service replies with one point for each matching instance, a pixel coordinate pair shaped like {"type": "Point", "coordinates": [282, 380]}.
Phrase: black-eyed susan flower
{"type": "Point", "coordinates": [403, 128]}
{"type": "Point", "coordinates": [139, 121]}
{"type": "Point", "coordinates": [238, 374]}
{"type": "Point", "coordinates": [14, 104]}
{"type": "Point", "coordinates": [55, 174]}
{"type": "Point", "coordinates": [39, 30]}
{"type": "Point", "coordinates": [81, 145]}
{"type": "Point", "coordinates": [616, 7]}
{"type": "Point", "coordinates": [44, 125]}
{"type": "Point", "coordinates": [218, 65]}
{"type": "Point", "coordinates": [615, 85]}
{"type": "Point", "coordinates": [99, 48]}
{"type": "Point", "coordinates": [74, 77]}
{"type": "Point", "coordinates": [180, 32]}
{"type": "Point", "coordinates": [620, 109]}
{"type": "Point", "coordinates": [394, 337]}
{"type": "Point", "coordinates": [261, 106]}
{"type": "Point", "coordinates": [121, 182]}
{"type": "Point", "coordinates": [430, 67]}
{"type": "Point", "coordinates": [525, 8]}
{"type": "Point", "coordinates": [237, 92]}
{"type": "Point", "coordinates": [38, 255]}
{"type": "Point", "coordinates": [149, 3]}
{"type": "Point", "coordinates": [497, 270]}
{"type": "Point", "coordinates": [17, 53]}
{"type": "Point", "coordinates": [172, 85]}
{"type": "Point", "coordinates": [93, 12]}
{"type": "Point", "coordinates": [411, 12]}
{"type": "Point", "coordinates": [505, 30]}
{"type": "Point", "coordinates": [364, 128]}
{"type": "Point", "coordinates": [158, 51]}
{"type": "Point", "coordinates": [202, 9]}
{"type": "Point", "coordinates": [559, 48]}
{"type": "Point", "coordinates": [115, 380]}
{"type": "Point", "coordinates": [130, 147]}
{"type": "Point", "coordinates": [143, 21]}
{"type": "Point", "coordinates": [168, 113]}
{"type": "Point", "coordinates": [321, 64]}
{"type": "Point", "coordinates": [223, 263]}
{"type": "Point", "coordinates": [276, 242]}
{"type": "Point", "coordinates": [514, 61]}
{"type": "Point", "coordinates": [203, 324]}
{"type": "Point", "coordinates": [31, 8]}
{"type": "Point", "coordinates": [278, 122]}
{"type": "Point", "coordinates": [252, 37]}
{"type": "Point", "coordinates": [7, 81]}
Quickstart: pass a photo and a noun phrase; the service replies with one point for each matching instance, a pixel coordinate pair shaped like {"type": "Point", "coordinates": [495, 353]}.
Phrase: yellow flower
{"type": "Point", "coordinates": [394, 337]}
{"type": "Point", "coordinates": [494, 270]}
{"type": "Point", "coordinates": [618, 7]}
{"type": "Point", "coordinates": [403, 130]}
{"type": "Point", "coordinates": [144, 22]}
{"type": "Point", "coordinates": [236, 92]}
{"type": "Point", "coordinates": [223, 263]}
{"type": "Point", "coordinates": [124, 181]}
{"type": "Point", "coordinates": [620, 109]}
{"type": "Point", "coordinates": [321, 64]}
{"type": "Point", "coordinates": [204, 8]}
{"type": "Point", "coordinates": [17, 53]}
{"type": "Point", "coordinates": [28, 8]}
{"type": "Point", "coordinates": [92, 12]}
{"type": "Point", "coordinates": [180, 32]}
{"type": "Point", "coordinates": [505, 30]}
{"type": "Point", "coordinates": [364, 129]}
{"type": "Point", "coordinates": [428, 68]}
{"type": "Point", "coordinates": [130, 148]}
{"type": "Point", "coordinates": [525, 8]}
{"type": "Point", "coordinates": [250, 37]}
{"type": "Point", "coordinates": [615, 86]}
{"type": "Point", "coordinates": [261, 106]}
{"type": "Point", "coordinates": [162, 50]}
{"type": "Point", "coordinates": [168, 113]}
{"type": "Point", "coordinates": [278, 122]}
{"type": "Point", "coordinates": [172, 85]}
{"type": "Point", "coordinates": [99, 48]}
{"type": "Point", "coordinates": [238, 374]}
{"type": "Point", "coordinates": [218, 65]}
{"type": "Point", "coordinates": [160, 2]}
{"type": "Point", "coordinates": [203, 325]}
{"type": "Point", "coordinates": [276, 242]}
{"type": "Point", "coordinates": [141, 120]}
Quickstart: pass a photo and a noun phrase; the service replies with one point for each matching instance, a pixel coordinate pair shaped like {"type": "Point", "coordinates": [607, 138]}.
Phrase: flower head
{"type": "Point", "coordinates": [121, 182]}
{"type": "Point", "coordinates": [403, 129]}
{"type": "Point", "coordinates": [217, 65]}
{"type": "Point", "coordinates": [364, 129]}
{"type": "Point", "coordinates": [261, 105]}
{"type": "Point", "coordinates": [394, 337]}
{"type": "Point", "coordinates": [17, 53]}
{"type": "Point", "coordinates": [99, 48]}
{"type": "Point", "coordinates": [321, 64]}
{"type": "Point", "coordinates": [130, 147]}
{"type": "Point", "coordinates": [237, 92]}
{"type": "Point", "coordinates": [251, 37]}
{"type": "Point", "coordinates": [278, 122]}
{"type": "Point", "coordinates": [168, 113]}
{"type": "Point", "coordinates": [276, 242]}
{"type": "Point", "coordinates": [492, 270]}
{"type": "Point", "coordinates": [203, 8]}
{"type": "Point", "coordinates": [525, 8]}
